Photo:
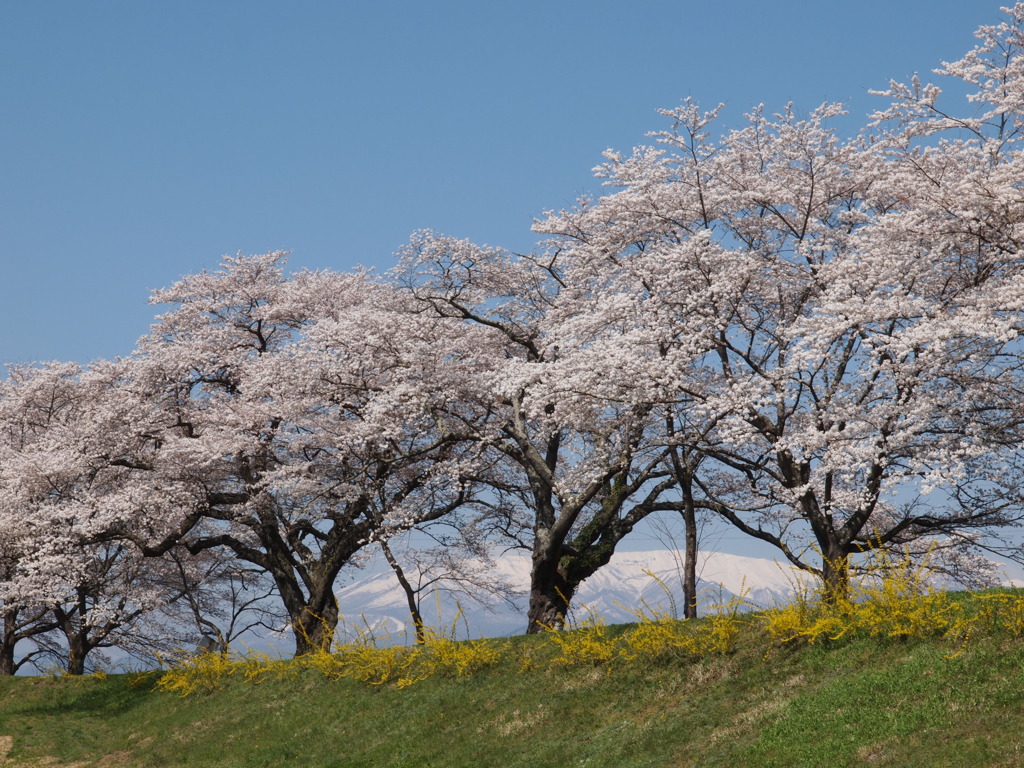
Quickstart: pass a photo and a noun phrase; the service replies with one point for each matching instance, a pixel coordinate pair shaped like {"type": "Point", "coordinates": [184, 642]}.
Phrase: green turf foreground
{"type": "Point", "coordinates": [851, 703]}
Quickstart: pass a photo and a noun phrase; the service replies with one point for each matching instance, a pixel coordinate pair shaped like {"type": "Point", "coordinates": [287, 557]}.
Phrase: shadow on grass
{"type": "Point", "coordinates": [86, 696]}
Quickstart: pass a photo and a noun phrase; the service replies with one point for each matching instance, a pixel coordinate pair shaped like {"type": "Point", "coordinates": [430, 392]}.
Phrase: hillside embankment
{"type": "Point", "coordinates": [941, 684]}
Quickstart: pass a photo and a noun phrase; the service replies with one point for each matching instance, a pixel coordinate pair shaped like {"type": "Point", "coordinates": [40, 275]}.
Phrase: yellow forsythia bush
{"type": "Point", "coordinates": [892, 601]}
{"type": "Point", "coordinates": [586, 644]}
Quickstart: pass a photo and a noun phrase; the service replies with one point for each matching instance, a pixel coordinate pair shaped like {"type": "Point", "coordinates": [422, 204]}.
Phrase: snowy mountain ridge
{"type": "Point", "coordinates": [631, 583]}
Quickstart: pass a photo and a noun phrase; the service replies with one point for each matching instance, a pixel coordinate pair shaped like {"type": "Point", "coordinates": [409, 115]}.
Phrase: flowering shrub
{"type": "Point", "coordinates": [893, 600]}
{"type": "Point", "coordinates": [584, 644]}
{"type": "Point", "coordinates": [198, 674]}
{"type": "Point", "coordinates": [444, 655]}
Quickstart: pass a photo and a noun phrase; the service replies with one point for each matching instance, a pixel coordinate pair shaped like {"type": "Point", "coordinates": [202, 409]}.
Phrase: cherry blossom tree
{"type": "Point", "coordinates": [22, 616]}
{"type": "Point", "coordinates": [54, 492]}
{"type": "Point", "coordinates": [34, 402]}
{"type": "Point", "coordinates": [21, 619]}
{"type": "Point", "coordinates": [293, 410]}
{"type": "Point", "coordinates": [838, 319]}
{"type": "Point", "coordinates": [576, 465]}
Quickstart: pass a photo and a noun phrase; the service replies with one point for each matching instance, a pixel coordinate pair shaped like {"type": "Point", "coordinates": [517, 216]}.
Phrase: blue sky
{"type": "Point", "coordinates": [141, 141]}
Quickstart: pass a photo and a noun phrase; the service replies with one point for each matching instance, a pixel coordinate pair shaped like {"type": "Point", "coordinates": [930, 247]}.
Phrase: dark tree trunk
{"type": "Point", "coordinates": [314, 625]}
{"type": "Point", "coordinates": [550, 594]}
{"type": "Point", "coordinates": [410, 594]}
{"type": "Point", "coordinates": [689, 515]}
{"type": "Point", "coordinates": [307, 593]}
{"type": "Point", "coordinates": [684, 465]}
{"type": "Point", "coordinates": [836, 575]}
{"type": "Point", "coordinates": [17, 624]}
{"type": "Point", "coordinates": [7, 666]}
{"type": "Point", "coordinates": [690, 563]}
{"type": "Point", "coordinates": [8, 639]}
{"type": "Point", "coordinates": [560, 567]}
{"type": "Point", "coordinates": [78, 650]}
{"type": "Point", "coordinates": [77, 636]}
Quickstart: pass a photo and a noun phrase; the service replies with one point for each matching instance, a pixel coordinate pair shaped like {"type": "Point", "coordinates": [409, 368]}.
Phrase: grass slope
{"type": "Point", "coordinates": [850, 703]}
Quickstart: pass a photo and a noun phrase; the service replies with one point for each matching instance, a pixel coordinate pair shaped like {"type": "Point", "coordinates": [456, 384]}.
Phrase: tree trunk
{"type": "Point", "coordinates": [7, 642]}
{"type": "Point", "coordinates": [314, 627]}
{"type": "Point", "coordinates": [836, 575]}
{"type": "Point", "coordinates": [689, 514]}
{"type": "Point", "coordinates": [313, 617]}
{"type": "Point", "coordinates": [410, 594]}
{"type": "Point", "coordinates": [550, 594]}
{"type": "Point", "coordinates": [690, 566]}
{"type": "Point", "coordinates": [7, 666]}
{"type": "Point", "coordinates": [76, 635]}
{"type": "Point", "coordinates": [78, 649]}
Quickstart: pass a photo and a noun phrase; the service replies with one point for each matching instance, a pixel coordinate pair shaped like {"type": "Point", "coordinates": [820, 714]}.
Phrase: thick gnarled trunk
{"type": "Point", "coordinates": [314, 629]}
{"type": "Point", "coordinates": [78, 650]}
{"type": "Point", "coordinates": [550, 595]}
{"type": "Point", "coordinates": [77, 638]}
{"type": "Point", "coordinates": [835, 575]}
{"type": "Point", "coordinates": [313, 620]}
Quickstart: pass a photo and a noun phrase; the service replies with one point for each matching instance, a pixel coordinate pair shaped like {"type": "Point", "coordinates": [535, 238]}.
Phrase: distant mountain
{"type": "Point", "coordinates": [632, 582]}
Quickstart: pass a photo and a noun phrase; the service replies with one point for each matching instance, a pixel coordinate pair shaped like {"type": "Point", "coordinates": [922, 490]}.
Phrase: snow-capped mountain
{"type": "Point", "coordinates": [633, 582]}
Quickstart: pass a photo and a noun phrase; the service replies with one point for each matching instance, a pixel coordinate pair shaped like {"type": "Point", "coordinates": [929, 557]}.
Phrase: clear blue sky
{"type": "Point", "coordinates": [141, 140]}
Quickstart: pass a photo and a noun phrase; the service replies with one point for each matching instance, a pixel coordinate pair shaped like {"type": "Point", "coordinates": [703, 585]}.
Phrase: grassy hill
{"type": "Point", "coordinates": [856, 700]}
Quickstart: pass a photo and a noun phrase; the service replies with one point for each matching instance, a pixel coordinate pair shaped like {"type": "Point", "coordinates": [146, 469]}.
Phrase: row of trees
{"type": "Point", "coordinates": [814, 338]}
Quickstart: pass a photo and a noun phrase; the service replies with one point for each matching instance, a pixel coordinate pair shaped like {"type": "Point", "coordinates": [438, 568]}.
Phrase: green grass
{"type": "Point", "coordinates": [856, 702]}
